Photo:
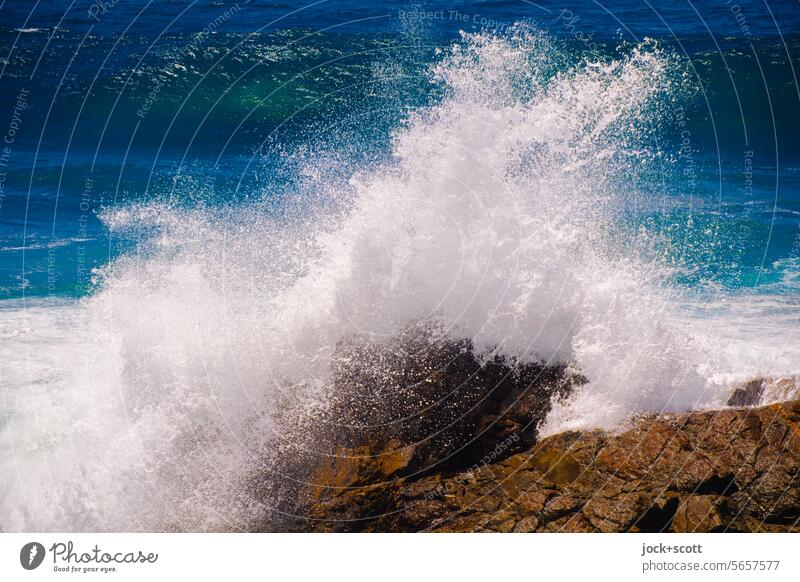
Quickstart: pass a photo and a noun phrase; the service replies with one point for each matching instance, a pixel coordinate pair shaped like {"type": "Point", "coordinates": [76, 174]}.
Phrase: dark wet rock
{"type": "Point", "coordinates": [420, 404]}
{"type": "Point", "coordinates": [412, 405]}
{"type": "Point", "coordinates": [747, 394]}
{"type": "Point", "coordinates": [726, 470]}
{"type": "Point", "coordinates": [765, 390]}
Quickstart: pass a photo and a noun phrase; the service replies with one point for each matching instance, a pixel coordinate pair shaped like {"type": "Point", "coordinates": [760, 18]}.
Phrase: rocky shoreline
{"type": "Point", "coordinates": [732, 470]}
{"type": "Point", "coordinates": [423, 435]}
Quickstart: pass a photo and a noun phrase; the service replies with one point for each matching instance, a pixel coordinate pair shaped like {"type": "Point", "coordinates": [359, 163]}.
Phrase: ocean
{"type": "Point", "coordinates": [200, 200]}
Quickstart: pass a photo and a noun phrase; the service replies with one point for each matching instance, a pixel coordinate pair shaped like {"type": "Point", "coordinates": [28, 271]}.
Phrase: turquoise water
{"type": "Point", "coordinates": [136, 109]}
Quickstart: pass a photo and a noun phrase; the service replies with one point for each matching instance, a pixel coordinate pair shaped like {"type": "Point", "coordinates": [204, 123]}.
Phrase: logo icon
{"type": "Point", "coordinates": [31, 555]}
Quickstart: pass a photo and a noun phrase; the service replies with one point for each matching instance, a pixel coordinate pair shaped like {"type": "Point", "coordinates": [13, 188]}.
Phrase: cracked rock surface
{"type": "Point", "coordinates": [725, 470]}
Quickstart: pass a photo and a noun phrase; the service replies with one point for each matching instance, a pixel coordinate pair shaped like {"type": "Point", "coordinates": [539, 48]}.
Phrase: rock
{"type": "Point", "coordinates": [765, 391]}
{"type": "Point", "coordinates": [413, 405]}
{"type": "Point", "coordinates": [781, 389]}
{"type": "Point", "coordinates": [748, 394]}
{"type": "Point", "coordinates": [725, 470]}
{"type": "Point", "coordinates": [527, 524]}
{"type": "Point", "coordinates": [420, 404]}
{"type": "Point", "coordinates": [697, 513]}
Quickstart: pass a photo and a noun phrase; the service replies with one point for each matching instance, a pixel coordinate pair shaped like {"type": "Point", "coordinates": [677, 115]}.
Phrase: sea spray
{"type": "Point", "coordinates": [202, 351]}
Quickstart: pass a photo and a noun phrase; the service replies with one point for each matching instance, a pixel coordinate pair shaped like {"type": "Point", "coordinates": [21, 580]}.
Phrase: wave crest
{"type": "Point", "coordinates": [496, 218]}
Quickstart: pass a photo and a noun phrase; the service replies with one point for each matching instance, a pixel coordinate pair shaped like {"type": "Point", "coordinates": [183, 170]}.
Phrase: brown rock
{"type": "Point", "coordinates": [527, 524]}
{"type": "Point", "coordinates": [727, 470]}
{"type": "Point", "coordinates": [747, 394]}
{"type": "Point", "coordinates": [436, 403]}
{"type": "Point", "coordinates": [764, 390]}
{"type": "Point", "coordinates": [698, 513]}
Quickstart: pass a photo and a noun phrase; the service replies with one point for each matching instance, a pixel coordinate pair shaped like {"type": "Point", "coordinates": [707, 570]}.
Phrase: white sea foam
{"type": "Point", "coordinates": [145, 406]}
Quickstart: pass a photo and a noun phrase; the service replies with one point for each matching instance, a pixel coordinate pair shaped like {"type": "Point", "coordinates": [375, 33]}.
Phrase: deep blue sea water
{"type": "Point", "coordinates": [201, 200]}
{"type": "Point", "coordinates": [229, 88]}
